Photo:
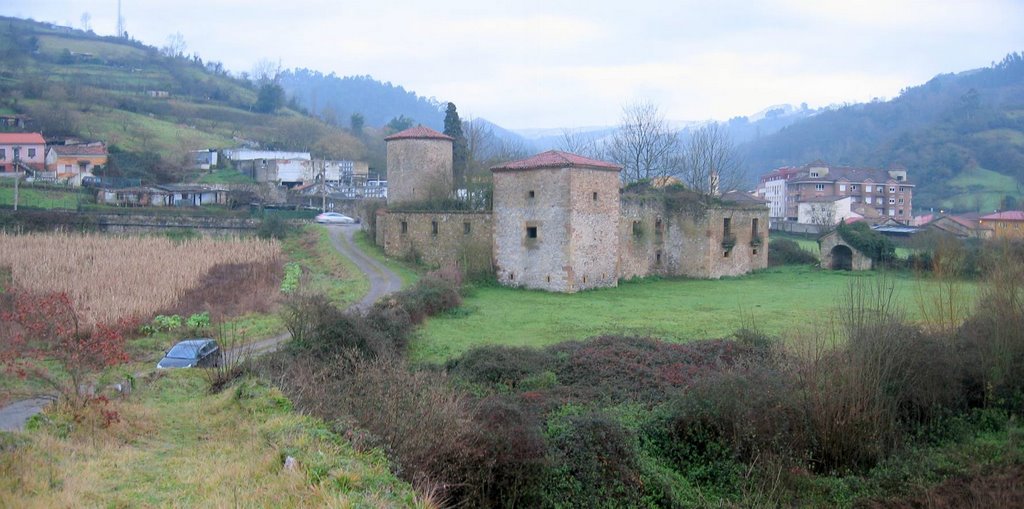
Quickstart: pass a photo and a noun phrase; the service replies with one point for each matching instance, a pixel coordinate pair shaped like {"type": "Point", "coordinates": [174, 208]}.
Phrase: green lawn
{"type": "Point", "coordinates": [225, 177]}
{"type": "Point", "coordinates": [778, 300]}
{"type": "Point", "coordinates": [324, 269]}
{"type": "Point", "coordinates": [40, 197]}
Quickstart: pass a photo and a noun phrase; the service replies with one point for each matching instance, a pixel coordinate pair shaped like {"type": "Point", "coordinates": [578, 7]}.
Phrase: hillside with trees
{"type": "Point", "coordinates": [338, 99]}
{"type": "Point", "coordinates": [151, 105]}
{"type": "Point", "coordinates": [961, 136]}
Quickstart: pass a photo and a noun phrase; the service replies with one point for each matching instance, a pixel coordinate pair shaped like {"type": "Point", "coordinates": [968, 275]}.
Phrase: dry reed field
{"type": "Point", "coordinates": [113, 277]}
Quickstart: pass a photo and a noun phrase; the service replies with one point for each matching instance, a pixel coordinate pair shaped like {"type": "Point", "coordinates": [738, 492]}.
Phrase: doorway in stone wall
{"type": "Point", "coordinates": [842, 258]}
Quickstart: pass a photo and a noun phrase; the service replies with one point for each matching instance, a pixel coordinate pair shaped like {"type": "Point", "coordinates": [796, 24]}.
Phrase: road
{"type": "Point", "coordinates": [383, 281]}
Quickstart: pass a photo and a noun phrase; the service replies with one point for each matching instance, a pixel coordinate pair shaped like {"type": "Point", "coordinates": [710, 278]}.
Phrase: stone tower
{"type": "Point", "coordinates": [419, 166]}
{"type": "Point", "coordinates": [556, 218]}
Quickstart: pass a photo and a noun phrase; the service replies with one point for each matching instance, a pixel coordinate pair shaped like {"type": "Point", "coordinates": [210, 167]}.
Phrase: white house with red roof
{"type": "Point", "coordinates": [21, 152]}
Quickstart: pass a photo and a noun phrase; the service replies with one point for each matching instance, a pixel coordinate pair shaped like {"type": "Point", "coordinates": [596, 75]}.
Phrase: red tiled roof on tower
{"type": "Point", "coordinates": [419, 133]}
{"type": "Point", "coordinates": [25, 138]}
{"type": "Point", "coordinates": [556, 159]}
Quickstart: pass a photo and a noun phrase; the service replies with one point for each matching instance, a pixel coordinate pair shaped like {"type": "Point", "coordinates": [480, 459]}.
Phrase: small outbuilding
{"type": "Point", "coordinates": [837, 254]}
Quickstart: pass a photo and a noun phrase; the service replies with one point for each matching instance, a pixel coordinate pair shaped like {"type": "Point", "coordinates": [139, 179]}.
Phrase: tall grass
{"type": "Point", "coordinates": [112, 277]}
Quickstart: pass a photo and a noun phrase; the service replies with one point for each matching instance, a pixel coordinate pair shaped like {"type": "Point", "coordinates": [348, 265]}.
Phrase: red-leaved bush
{"type": "Point", "coordinates": [42, 336]}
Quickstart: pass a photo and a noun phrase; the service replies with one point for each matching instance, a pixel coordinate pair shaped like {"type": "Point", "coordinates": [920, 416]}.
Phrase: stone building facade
{"type": "Point", "coordinates": [679, 234]}
{"type": "Point", "coordinates": [437, 238]}
{"type": "Point", "coordinates": [560, 222]}
{"type": "Point", "coordinates": [419, 166]}
{"type": "Point", "coordinates": [556, 221]}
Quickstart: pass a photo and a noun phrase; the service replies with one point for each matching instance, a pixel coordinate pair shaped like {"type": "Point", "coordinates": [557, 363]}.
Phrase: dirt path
{"type": "Point", "coordinates": [382, 282]}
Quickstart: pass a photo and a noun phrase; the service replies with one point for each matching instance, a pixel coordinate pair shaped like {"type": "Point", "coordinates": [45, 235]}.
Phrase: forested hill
{"type": "Point", "coordinates": [960, 135]}
{"type": "Point", "coordinates": [335, 99]}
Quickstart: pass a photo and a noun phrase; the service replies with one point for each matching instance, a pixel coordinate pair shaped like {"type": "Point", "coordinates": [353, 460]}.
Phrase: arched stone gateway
{"type": "Point", "coordinates": [836, 254]}
{"type": "Point", "coordinates": [842, 258]}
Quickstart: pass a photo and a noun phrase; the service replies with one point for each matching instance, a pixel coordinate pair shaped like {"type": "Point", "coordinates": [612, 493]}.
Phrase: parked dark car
{"type": "Point", "coordinates": [192, 353]}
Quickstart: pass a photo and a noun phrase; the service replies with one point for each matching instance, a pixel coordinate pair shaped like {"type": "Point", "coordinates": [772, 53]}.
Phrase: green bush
{"type": "Point", "coordinates": [272, 227]}
{"type": "Point", "coordinates": [874, 245]}
{"type": "Point", "coordinates": [788, 252]}
{"type": "Point", "coordinates": [292, 275]}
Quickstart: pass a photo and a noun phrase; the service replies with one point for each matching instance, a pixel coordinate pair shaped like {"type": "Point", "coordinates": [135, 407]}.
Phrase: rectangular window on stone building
{"type": "Point", "coordinates": [638, 231]}
{"type": "Point", "coordinates": [467, 228]}
{"type": "Point", "coordinates": [753, 228]}
{"type": "Point", "coordinates": [727, 227]}
{"type": "Point", "coordinates": [530, 194]}
{"type": "Point", "coordinates": [433, 227]}
{"type": "Point", "coordinates": [531, 232]}
{"type": "Point", "coordinates": [657, 257]}
{"type": "Point", "coordinates": [595, 195]}
{"type": "Point", "coordinates": [405, 227]}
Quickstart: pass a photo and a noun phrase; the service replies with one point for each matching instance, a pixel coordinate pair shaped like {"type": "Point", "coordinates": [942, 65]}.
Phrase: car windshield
{"type": "Point", "coordinates": [185, 350]}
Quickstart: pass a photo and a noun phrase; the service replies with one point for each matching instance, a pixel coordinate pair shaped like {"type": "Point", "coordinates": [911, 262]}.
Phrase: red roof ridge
{"type": "Point", "coordinates": [1008, 215]}
{"type": "Point", "coordinates": [419, 133]}
{"type": "Point", "coordinates": [34, 138]}
{"type": "Point", "coordinates": [556, 159]}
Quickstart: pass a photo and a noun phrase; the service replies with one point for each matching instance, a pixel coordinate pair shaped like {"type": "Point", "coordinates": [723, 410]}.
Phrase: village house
{"type": "Point", "coordinates": [164, 195]}
{"type": "Point", "coordinates": [287, 168]}
{"type": "Point", "coordinates": [562, 222]}
{"type": "Point", "coordinates": [70, 163]}
{"type": "Point", "coordinates": [1004, 225]}
{"type": "Point", "coordinates": [20, 152]}
{"type": "Point", "coordinates": [964, 226]}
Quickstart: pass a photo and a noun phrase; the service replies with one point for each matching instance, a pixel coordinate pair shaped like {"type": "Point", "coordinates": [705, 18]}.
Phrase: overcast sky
{"type": "Point", "coordinates": [555, 63]}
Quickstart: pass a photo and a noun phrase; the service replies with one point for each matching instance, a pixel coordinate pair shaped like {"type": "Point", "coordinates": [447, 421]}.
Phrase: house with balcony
{"type": "Point", "coordinates": [22, 152]}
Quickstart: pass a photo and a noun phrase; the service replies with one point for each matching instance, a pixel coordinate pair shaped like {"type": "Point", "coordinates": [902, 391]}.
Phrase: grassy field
{"type": "Point", "coordinates": [980, 190]}
{"type": "Point", "coordinates": [325, 270]}
{"type": "Point", "coordinates": [40, 197]}
{"type": "Point", "coordinates": [178, 446]}
{"type": "Point", "coordinates": [778, 301]}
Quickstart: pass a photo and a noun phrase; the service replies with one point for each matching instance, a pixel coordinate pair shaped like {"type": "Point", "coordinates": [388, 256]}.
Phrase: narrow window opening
{"type": "Point", "coordinates": [595, 196]}
{"type": "Point", "coordinates": [658, 228]}
{"type": "Point", "coordinates": [584, 279]}
{"type": "Point", "coordinates": [725, 254]}
{"type": "Point", "coordinates": [530, 194]}
{"type": "Point", "coordinates": [511, 276]}
{"type": "Point", "coordinates": [433, 227]}
{"type": "Point", "coordinates": [755, 250]}
{"type": "Point", "coordinates": [727, 226]}
{"type": "Point", "coordinates": [549, 279]}
{"type": "Point", "coordinates": [637, 230]}
{"type": "Point", "coordinates": [753, 227]}
{"type": "Point", "coordinates": [405, 227]}
{"type": "Point", "coordinates": [657, 258]}
{"type": "Point", "coordinates": [531, 232]}
{"type": "Point", "coordinates": [467, 228]}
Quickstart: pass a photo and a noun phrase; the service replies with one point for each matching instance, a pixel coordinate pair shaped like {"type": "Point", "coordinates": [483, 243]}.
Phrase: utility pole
{"type": "Point", "coordinates": [17, 178]}
{"type": "Point", "coordinates": [323, 186]}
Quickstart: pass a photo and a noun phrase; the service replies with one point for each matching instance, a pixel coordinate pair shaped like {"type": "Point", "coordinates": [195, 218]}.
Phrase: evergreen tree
{"type": "Point", "coordinates": [453, 128]}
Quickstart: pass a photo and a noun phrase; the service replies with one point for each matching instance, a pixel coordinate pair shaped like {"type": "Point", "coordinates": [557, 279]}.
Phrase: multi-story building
{"type": "Point", "coordinates": [874, 193]}
{"type": "Point", "coordinates": [772, 188]}
{"type": "Point", "coordinates": [70, 163]}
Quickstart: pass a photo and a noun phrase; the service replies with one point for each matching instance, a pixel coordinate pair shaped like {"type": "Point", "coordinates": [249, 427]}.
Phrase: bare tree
{"type": "Point", "coordinates": [265, 71]}
{"type": "Point", "coordinates": [86, 21]}
{"type": "Point", "coordinates": [644, 144]}
{"type": "Point", "coordinates": [711, 164]}
{"type": "Point", "coordinates": [175, 45]}
{"type": "Point", "coordinates": [579, 143]}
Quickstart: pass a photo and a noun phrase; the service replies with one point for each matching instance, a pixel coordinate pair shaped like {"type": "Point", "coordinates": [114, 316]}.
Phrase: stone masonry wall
{"type": "Point", "coordinates": [829, 241]}
{"type": "Point", "coordinates": [419, 170]}
{"type": "Point", "coordinates": [688, 241]}
{"type": "Point", "coordinates": [541, 262]}
{"type": "Point", "coordinates": [451, 244]}
{"type": "Point", "coordinates": [594, 223]}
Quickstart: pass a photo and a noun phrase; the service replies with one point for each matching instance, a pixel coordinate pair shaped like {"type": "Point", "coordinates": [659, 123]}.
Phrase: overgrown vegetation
{"type": "Point", "coordinates": [854, 411]}
{"type": "Point", "coordinates": [788, 252]}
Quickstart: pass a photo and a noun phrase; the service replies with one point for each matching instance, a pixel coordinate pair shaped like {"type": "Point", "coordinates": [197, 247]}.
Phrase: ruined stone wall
{"type": "Point", "coordinates": [419, 170]}
{"type": "Point", "coordinates": [659, 238]}
{"type": "Point", "coordinates": [541, 262]}
{"type": "Point", "coordinates": [450, 242]}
